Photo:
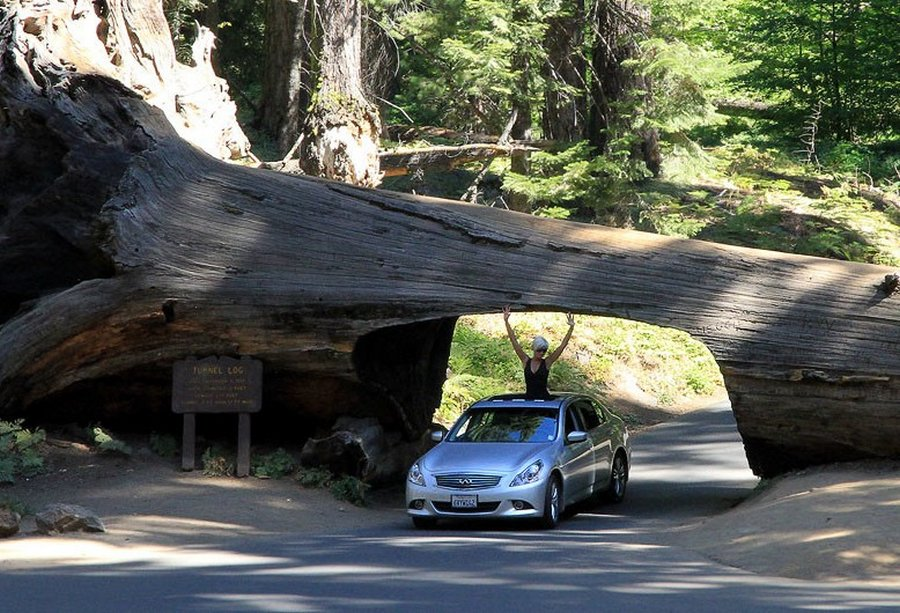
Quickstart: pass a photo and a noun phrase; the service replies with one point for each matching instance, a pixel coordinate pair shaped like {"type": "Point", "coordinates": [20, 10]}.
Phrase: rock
{"type": "Point", "coordinates": [9, 523]}
{"type": "Point", "coordinates": [68, 518]}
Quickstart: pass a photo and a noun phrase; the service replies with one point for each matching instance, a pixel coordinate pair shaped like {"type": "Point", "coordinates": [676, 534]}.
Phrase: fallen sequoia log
{"type": "Point", "coordinates": [124, 249]}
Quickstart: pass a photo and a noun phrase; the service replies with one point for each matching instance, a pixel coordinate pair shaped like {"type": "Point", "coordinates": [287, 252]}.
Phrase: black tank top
{"type": "Point", "coordinates": [536, 382]}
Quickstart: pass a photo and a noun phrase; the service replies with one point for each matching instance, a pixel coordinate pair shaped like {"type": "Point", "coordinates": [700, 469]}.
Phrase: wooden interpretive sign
{"type": "Point", "coordinates": [217, 385]}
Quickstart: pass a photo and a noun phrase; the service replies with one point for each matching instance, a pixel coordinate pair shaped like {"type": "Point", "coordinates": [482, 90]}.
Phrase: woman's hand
{"type": "Point", "coordinates": [571, 319]}
{"type": "Point", "coordinates": [506, 313]}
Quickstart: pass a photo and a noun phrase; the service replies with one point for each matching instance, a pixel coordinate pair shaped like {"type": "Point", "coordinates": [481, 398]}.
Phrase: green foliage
{"type": "Point", "coordinates": [480, 355]}
{"type": "Point", "coordinates": [16, 506]}
{"type": "Point", "coordinates": [107, 443]}
{"type": "Point", "coordinates": [313, 477]}
{"type": "Point", "coordinates": [217, 462]}
{"type": "Point", "coordinates": [462, 390]}
{"type": "Point", "coordinates": [574, 177]}
{"type": "Point", "coordinates": [163, 445]}
{"type": "Point", "coordinates": [180, 15]}
{"type": "Point", "coordinates": [473, 56]}
{"type": "Point", "coordinates": [347, 488]}
{"type": "Point", "coordinates": [20, 453]}
{"type": "Point", "coordinates": [274, 465]}
{"type": "Point", "coordinates": [687, 80]}
{"type": "Point", "coordinates": [350, 489]}
{"type": "Point", "coordinates": [830, 55]}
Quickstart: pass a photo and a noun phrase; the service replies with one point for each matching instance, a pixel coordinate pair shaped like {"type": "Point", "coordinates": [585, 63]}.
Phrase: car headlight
{"type": "Point", "coordinates": [415, 475]}
{"type": "Point", "coordinates": [529, 475]}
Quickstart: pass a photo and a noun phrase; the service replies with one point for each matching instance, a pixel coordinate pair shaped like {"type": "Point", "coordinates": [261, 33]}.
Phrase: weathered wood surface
{"type": "Point", "coordinates": [124, 249]}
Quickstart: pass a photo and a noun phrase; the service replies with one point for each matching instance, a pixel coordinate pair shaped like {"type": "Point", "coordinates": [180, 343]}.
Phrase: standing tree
{"type": "Point", "coordinates": [287, 71]}
{"type": "Point", "coordinates": [342, 127]}
{"type": "Point", "coordinates": [617, 89]}
{"type": "Point", "coordinates": [564, 71]}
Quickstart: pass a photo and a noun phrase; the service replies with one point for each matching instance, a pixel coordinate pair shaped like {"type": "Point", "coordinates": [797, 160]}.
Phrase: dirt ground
{"type": "Point", "coordinates": [828, 523]}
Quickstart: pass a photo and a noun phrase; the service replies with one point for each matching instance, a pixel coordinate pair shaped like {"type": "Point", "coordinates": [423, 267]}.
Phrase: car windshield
{"type": "Point", "coordinates": [506, 425]}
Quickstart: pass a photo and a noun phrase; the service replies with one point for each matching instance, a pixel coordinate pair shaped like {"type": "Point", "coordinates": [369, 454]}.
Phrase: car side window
{"type": "Point", "coordinates": [588, 415]}
{"type": "Point", "coordinates": [573, 422]}
{"type": "Point", "coordinates": [600, 410]}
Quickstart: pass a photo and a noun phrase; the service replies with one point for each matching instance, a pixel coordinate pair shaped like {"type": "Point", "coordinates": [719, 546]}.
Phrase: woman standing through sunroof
{"type": "Point", "coordinates": [537, 365]}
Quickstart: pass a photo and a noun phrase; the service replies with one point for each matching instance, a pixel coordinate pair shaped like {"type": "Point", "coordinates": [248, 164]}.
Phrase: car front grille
{"type": "Point", "coordinates": [466, 481]}
{"type": "Point", "coordinates": [483, 507]}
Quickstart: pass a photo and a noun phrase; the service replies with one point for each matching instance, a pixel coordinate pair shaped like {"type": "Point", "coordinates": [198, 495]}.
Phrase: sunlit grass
{"type": "Point", "coordinates": [667, 364]}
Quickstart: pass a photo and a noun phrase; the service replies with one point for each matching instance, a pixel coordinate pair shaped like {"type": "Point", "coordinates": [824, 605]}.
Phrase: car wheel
{"type": "Point", "coordinates": [424, 522]}
{"type": "Point", "coordinates": [618, 479]}
{"type": "Point", "coordinates": [552, 504]}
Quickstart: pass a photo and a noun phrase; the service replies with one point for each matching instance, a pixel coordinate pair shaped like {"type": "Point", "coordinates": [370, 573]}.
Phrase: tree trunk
{"type": "Point", "coordinates": [287, 75]}
{"type": "Point", "coordinates": [125, 249]}
{"type": "Point", "coordinates": [564, 101]}
{"type": "Point", "coordinates": [619, 25]}
{"type": "Point", "coordinates": [342, 128]}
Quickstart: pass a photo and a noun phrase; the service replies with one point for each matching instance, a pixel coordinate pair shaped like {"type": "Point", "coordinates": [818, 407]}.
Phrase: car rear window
{"type": "Point", "coordinates": [506, 425]}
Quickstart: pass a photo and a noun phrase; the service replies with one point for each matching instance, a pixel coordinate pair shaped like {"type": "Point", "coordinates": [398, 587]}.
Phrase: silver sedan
{"type": "Point", "coordinates": [511, 457]}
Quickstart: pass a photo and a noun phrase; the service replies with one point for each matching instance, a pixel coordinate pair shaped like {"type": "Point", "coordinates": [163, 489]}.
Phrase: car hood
{"type": "Point", "coordinates": [481, 457]}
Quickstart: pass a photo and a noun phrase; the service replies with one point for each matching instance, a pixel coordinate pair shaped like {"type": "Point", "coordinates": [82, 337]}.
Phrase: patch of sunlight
{"type": "Point", "coordinates": [56, 551]}
{"type": "Point", "coordinates": [663, 587]}
{"type": "Point", "coordinates": [873, 555]}
{"type": "Point", "coordinates": [827, 535]}
{"type": "Point", "coordinates": [551, 587]}
{"type": "Point", "coordinates": [173, 525]}
{"type": "Point", "coordinates": [329, 570]}
{"type": "Point", "coordinates": [294, 603]}
{"type": "Point", "coordinates": [273, 603]}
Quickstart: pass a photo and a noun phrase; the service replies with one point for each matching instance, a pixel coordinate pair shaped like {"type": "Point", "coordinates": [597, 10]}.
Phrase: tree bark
{"type": "Point", "coordinates": [288, 71]}
{"type": "Point", "coordinates": [565, 110]}
{"type": "Point", "coordinates": [619, 25]}
{"type": "Point", "coordinates": [343, 128]}
{"type": "Point", "coordinates": [349, 296]}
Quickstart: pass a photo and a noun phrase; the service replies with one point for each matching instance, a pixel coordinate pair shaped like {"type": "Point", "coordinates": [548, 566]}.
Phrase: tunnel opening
{"type": "Point", "coordinates": [652, 373]}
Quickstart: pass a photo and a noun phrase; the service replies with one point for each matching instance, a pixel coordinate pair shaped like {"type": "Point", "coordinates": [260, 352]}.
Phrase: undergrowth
{"type": "Point", "coordinates": [343, 487]}
{"type": "Point", "coordinates": [20, 451]}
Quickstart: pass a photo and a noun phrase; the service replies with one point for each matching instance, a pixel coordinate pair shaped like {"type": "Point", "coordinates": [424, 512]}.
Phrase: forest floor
{"type": "Point", "coordinates": [829, 523]}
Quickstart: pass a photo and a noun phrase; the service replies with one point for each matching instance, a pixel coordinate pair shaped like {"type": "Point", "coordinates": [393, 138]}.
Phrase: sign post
{"type": "Point", "coordinates": [217, 385]}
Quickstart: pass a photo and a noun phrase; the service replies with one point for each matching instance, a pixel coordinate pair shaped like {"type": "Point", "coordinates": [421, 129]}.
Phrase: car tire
{"type": "Point", "coordinates": [423, 523]}
{"type": "Point", "coordinates": [552, 504]}
{"type": "Point", "coordinates": [618, 479]}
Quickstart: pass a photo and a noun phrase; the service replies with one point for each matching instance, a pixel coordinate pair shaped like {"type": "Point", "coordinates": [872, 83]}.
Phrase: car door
{"type": "Point", "coordinates": [577, 461]}
{"type": "Point", "coordinates": [600, 433]}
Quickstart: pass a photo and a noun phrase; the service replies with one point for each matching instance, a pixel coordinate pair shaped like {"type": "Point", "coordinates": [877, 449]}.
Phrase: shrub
{"type": "Point", "coordinates": [350, 489]}
{"type": "Point", "coordinates": [217, 463]}
{"type": "Point", "coordinates": [313, 477]}
{"type": "Point", "coordinates": [107, 443]}
{"type": "Point", "coordinates": [347, 488]}
{"type": "Point", "coordinates": [19, 451]}
{"type": "Point", "coordinates": [273, 465]}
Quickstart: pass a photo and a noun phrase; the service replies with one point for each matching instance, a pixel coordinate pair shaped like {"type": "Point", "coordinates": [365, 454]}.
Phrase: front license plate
{"type": "Point", "coordinates": [464, 502]}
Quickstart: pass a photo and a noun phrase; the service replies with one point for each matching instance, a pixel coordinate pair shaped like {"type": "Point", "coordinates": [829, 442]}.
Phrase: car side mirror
{"type": "Point", "coordinates": [437, 436]}
{"type": "Point", "coordinates": [576, 436]}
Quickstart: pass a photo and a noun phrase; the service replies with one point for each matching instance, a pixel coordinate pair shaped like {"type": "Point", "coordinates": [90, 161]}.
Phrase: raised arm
{"type": "Point", "coordinates": [565, 341]}
{"type": "Point", "coordinates": [512, 337]}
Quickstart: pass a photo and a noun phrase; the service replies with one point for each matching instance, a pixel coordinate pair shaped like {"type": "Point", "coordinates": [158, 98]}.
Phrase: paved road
{"type": "Point", "coordinates": [606, 560]}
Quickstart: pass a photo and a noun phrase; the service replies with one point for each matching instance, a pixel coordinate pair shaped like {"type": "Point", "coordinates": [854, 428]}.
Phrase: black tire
{"type": "Point", "coordinates": [618, 479]}
{"type": "Point", "coordinates": [423, 523]}
{"type": "Point", "coordinates": [552, 504]}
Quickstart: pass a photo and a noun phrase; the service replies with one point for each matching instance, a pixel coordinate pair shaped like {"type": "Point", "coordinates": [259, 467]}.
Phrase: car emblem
{"type": "Point", "coordinates": [465, 481]}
